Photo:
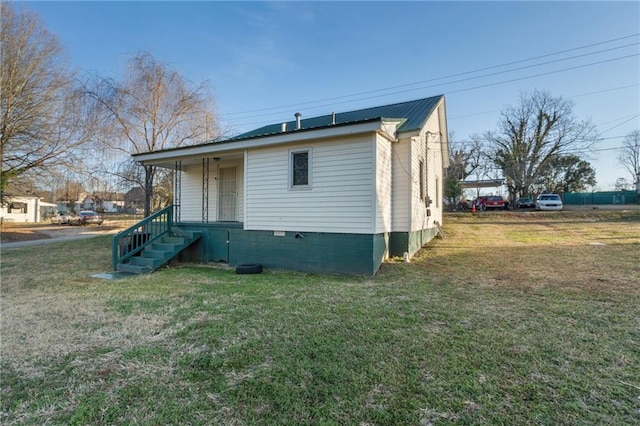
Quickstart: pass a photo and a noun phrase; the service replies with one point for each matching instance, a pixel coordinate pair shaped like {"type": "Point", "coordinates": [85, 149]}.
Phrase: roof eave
{"type": "Point", "coordinates": [157, 157]}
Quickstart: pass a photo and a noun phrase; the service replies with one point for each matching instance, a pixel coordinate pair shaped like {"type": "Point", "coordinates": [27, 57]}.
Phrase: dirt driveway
{"type": "Point", "coordinates": [24, 234]}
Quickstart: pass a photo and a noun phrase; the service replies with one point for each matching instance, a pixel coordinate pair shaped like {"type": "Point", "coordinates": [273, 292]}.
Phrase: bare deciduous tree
{"type": "Point", "coordinates": [467, 159]}
{"type": "Point", "coordinates": [152, 108]}
{"type": "Point", "coordinates": [43, 116]}
{"type": "Point", "coordinates": [540, 128]}
{"type": "Point", "coordinates": [622, 184]}
{"type": "Point", "coordinates": [629, 156]}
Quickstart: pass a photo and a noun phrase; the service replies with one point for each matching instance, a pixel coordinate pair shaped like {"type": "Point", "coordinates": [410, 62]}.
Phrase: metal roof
{"type": "Point", "coordinates": [412, 113]}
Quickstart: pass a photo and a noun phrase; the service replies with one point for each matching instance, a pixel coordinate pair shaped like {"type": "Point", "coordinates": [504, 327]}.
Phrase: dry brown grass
{"type": "Point", "coordinates": [511, 319]}
{"type": "Point", "coordinates": [599, 251]}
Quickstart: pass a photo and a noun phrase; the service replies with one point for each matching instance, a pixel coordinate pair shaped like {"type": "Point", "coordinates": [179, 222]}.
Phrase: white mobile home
{"type": "Point", "coordinates": [25, 208]}
{"type": "Point", "coordinates": [336, 193]}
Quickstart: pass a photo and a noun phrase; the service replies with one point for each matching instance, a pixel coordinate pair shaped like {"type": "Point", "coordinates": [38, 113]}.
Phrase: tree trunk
{"type": "Point", "coordinates": [149, 174]}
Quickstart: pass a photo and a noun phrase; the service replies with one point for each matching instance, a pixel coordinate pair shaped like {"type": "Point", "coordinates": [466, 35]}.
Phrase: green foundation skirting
{"type": "Point", "coordinates": [353, 254]}
{"type": "Point", "coordinates": [409, 242]}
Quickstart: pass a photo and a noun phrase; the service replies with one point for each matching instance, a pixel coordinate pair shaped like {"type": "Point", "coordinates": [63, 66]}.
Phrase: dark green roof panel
{"type": "Point", "coordinates": [413, 113]}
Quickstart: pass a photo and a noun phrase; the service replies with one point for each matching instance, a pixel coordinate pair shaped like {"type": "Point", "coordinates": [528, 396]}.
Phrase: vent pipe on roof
{"type": "Point", "coordinates": [284, 127]}
{"type": "Point", "coordinates": [298, 115]}
{"type": "Point", "coordinates": [333, 118]}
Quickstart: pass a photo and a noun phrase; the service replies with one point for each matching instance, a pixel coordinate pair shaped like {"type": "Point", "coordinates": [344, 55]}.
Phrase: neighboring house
{"type": "Point", "coordinates": [338, 193]}
{"type": "Point", "coordinates": [111, 206]}
{"type": "Point", "coordinates": [87, 202]}
{"type": "Point", "coordinates": [25, 208]}
{"type": "Point", "coordinates": [134, 200]}
{"type": "Point", "coordinates": [105, 202]}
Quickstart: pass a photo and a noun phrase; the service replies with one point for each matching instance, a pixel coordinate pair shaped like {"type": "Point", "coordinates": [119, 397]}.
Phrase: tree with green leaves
{"type": "Point", "coordinates": [568, 173]}
{"type": "Point", "coordinates": [538, 130]}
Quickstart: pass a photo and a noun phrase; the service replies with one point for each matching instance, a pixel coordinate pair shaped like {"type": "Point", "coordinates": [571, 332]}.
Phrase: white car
{"type": "Point", "coordinates": [548, 202]}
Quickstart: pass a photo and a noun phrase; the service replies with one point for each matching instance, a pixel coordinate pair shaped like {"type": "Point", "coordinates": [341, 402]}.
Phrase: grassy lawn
{"type": "Point", "coordinates": [512, 319]}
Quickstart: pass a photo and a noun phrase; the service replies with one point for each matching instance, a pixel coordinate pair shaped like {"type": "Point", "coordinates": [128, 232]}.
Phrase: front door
{"type": "Point", "coordinates": [228, 194]}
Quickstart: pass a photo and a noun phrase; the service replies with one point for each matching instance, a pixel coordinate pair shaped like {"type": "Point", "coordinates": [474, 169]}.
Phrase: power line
{"type": "Point", "coordinates": [620, 124]}
{"type": "Point", "coordinates": [479, 86]}
{"type": "Point", "coordinates": [615, 119]}
{"type": "Point", "coordinates": [473, 78]}
{"type": "Point", "coordinates": [546, 73]}
{"type": "Point", "coordinates": [568, 97]}
{"type": "Point", "coordinates": [440, 78]}
{"type": "Point", "coordinates": [598, 139]}
{"type": "Point", "coordinates": [584, 151]}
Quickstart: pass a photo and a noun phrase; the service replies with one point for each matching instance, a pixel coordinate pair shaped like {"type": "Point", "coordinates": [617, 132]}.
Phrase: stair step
{"type": "Point", "coordinates": [173, 240]}
{"type": "Point", "coordinates": [156, 254]}
{"type": "Point", "coordinates": [163, 246]}
{"type": "Point", "coordinates": [190, 235]}
{"type": "Point", "coordinates": [146, 261]}
{"type": "Point", "coordinates": [134, 269]}
{"type": "Point", "coordinates": [159, 252]}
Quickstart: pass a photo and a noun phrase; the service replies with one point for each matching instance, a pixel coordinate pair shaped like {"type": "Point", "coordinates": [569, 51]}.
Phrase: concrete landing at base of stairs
{"type": "Point", "coordinates": [112, 275]}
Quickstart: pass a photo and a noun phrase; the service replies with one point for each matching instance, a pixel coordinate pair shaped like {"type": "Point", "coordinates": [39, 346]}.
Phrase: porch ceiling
{"type": "Point", "coordinates": [196, 160]}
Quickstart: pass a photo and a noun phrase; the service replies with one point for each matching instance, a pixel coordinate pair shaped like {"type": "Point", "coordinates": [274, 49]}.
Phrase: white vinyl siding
{"type": "Point", "coordinates": [426, 147]}
{"type": "Point", "coordinates": [419, 218]}
{"type": "Point", "coordinates": [191, 194]}
{"type": "Point", "coordinates": [409, 205]}
{"type": "Point", "coordinates": [383, 185]}
{"type": "Point", "coordinates": [401, 186]}
{"type": "Point", "coordinates": [341, 197]}
{"type": "Point", "coordinates": [191, 191]}
{"type": "Point", "coordinates": [434, 166]}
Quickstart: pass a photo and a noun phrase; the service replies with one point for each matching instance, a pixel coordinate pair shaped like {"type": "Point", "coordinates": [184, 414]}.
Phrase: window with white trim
{"type": "Point", "coordinates": [300, 169]}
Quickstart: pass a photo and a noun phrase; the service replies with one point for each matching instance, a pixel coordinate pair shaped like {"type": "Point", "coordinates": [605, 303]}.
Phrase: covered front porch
{"type": "Point", "coordinates": [208, 189]}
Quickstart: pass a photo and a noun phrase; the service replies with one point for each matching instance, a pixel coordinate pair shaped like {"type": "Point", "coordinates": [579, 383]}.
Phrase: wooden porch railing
{"type": "Point", "coordinates": [132, 240]}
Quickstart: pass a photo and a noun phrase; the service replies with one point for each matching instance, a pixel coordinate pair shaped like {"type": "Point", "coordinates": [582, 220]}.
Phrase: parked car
{"type": "Point", "coordinates": [91, 217]}
{"type": "Point", "coordinates": [548, 202]}
{"type": "Point", "coordinates": [494, 202]}
{"type": "Point", "coordinates": [60, 218]}
{"type": "Point", "coordinates": [74, 219]}
{"type": "Point", "coordinates": [523, 203]}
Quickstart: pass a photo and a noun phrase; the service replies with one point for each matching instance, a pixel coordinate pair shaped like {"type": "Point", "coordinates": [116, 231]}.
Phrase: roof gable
{"type": "Point", "coordinates": [413, 115]}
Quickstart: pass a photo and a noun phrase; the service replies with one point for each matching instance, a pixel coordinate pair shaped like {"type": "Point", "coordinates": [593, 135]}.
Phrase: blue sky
{"type": "Point", "coordinates": [268, 60]}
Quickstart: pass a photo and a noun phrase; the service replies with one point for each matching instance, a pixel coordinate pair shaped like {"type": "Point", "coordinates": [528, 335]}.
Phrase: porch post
{"type": "Point", "coordinates": [177, 189]}
{"type": "Point", "coordinates": [205, 190]}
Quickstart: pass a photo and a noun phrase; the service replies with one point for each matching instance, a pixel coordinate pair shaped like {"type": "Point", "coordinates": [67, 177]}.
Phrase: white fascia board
{"type": "Point", "coordinates": [280, 139]}
{"type": "Point", "coordinates": [444, 133]}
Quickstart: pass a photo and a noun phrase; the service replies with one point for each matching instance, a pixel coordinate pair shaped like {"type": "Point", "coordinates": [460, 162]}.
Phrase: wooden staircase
{"type": "Point", "coordinates": [159, 252]}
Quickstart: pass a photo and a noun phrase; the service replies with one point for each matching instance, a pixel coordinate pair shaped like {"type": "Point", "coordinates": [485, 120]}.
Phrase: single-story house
{"type": "Point", "coordinates": [106, 202]}
{"type": "Point", "coordinates": [25, 208]}
{"type": "Point", "coordinates": [134, 200]}
{"type": "Point", "coordinates": [338, 193]}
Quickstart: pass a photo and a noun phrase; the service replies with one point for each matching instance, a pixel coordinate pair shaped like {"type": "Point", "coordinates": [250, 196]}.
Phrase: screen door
{"type": "Point", "coordinates": [228, 194]}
